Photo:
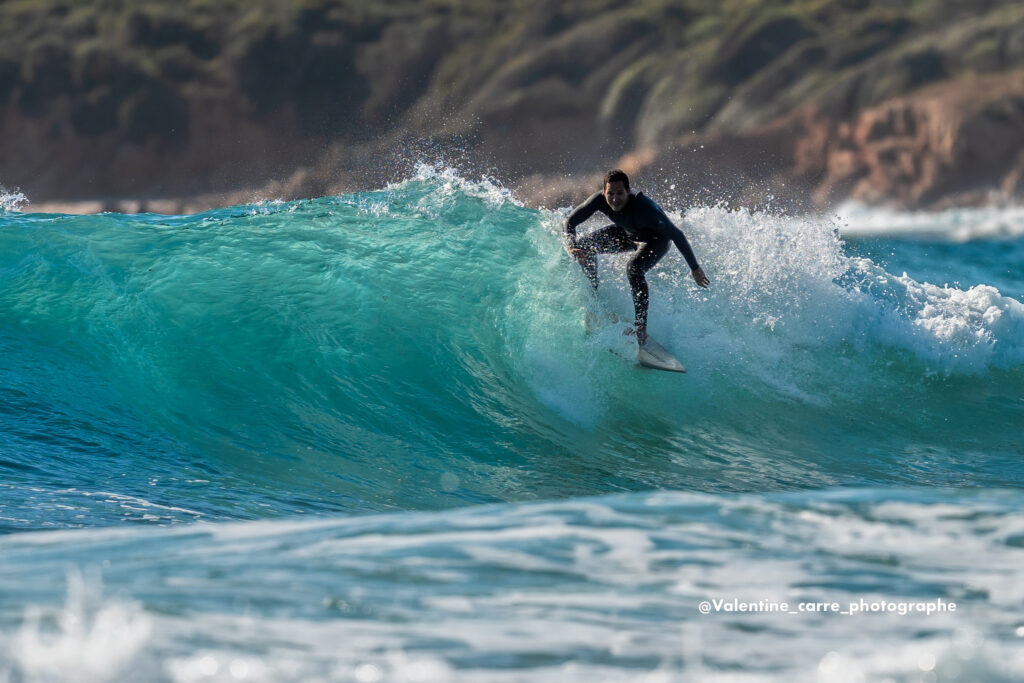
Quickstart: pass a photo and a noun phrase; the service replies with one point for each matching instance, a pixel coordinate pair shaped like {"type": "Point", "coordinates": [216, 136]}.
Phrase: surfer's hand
{"type": "Point", "coordinates": [700, 278]}
{"type": "Point", "coordinates": [577, 253]}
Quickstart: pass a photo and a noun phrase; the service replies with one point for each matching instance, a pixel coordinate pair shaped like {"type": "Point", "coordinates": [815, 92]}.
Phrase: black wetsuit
{"type": "Point", "coordinates": [641, 226]}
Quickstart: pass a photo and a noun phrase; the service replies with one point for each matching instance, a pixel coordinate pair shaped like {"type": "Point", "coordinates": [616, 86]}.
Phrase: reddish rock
{"type": "Point", "coordinates": [955, 138]}
{"type": "Point", "coordinates": [957, 142]}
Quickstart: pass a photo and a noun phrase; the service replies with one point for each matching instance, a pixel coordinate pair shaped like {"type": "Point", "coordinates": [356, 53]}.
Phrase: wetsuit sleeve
{"type": "Point", "coordinates": [665, 227]}
{"type": "Point", "coordinates": [580, 214]}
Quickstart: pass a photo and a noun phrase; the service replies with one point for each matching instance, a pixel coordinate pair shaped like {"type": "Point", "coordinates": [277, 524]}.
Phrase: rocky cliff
{"type": "Point", "coordinates": [798, 104]}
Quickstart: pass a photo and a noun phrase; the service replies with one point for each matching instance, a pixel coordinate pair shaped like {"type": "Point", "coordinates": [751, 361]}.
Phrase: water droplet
{"type": "Point", "coordinates": [239, 668]}
{"type": "Point", "coordinates": [208, 666]}
{"type": "Point", "coordinates": [449, 481]}
{"type": "Point", "coordinates": [367, 673]}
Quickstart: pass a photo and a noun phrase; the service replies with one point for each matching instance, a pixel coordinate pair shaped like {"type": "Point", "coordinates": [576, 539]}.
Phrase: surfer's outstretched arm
{"type": "Point", "coordinates": [580, 214]}
{"type": "Point", "coordinates": [668, 229]}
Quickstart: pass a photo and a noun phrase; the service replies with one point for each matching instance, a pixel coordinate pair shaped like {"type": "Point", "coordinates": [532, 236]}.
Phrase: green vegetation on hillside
{"type": "Point", "coordinates": [642, 72]}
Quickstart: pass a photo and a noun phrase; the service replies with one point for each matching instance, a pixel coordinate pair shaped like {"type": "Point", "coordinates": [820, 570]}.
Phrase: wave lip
{"type": "Point", "coordinates": [12, 201]}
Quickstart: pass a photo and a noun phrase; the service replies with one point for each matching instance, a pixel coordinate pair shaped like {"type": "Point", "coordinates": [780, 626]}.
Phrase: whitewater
{"type": "Point", "coordinates": [368, 437]}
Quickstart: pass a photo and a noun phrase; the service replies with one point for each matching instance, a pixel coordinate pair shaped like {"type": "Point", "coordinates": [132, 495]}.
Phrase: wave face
{"type": "Point", "coordinates": [421, 349]}
{"type": "Point", "coordinates": [423, 346]}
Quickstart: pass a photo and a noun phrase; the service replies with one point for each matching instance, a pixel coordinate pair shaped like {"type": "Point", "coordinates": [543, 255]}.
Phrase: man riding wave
{"type": "Point", "coordinates": [638, 224]}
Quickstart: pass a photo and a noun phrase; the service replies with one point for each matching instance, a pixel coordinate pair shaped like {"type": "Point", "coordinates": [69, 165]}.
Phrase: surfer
{"type": "Point", "coordinates": [639, 225]}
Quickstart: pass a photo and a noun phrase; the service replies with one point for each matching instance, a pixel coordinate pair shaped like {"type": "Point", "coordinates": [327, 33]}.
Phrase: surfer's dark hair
{"type": "Point", "coordinates": [616, 175]}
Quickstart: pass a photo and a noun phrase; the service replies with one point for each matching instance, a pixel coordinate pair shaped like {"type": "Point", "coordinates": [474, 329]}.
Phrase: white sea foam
{"type": "Point", "coordinates": [954, 225]}
{"type": "Point", "coordinates": [91, 639]}
{"type": "Point", "coordinates": [949, 328]}
{"type": "Point", "coordinates": [596, 589]}
{"type": "Point", "coordinates": [782, 286]}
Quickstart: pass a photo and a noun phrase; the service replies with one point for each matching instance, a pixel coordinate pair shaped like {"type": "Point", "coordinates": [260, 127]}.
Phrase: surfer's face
{"type": "Point", "coordinates": [616, 195]}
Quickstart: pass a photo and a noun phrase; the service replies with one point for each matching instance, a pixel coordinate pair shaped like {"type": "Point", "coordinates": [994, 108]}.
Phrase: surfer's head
{"type": "Point", "coordinates": [616, 189]}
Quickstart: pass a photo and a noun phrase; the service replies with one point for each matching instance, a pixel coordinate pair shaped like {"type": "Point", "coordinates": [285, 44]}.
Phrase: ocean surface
{"type": "Point", "coordinates": [369, 438]}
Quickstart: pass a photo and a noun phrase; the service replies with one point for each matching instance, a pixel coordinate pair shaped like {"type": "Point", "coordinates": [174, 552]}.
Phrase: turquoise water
{"type": "Point", "coordinates": [367, 437]}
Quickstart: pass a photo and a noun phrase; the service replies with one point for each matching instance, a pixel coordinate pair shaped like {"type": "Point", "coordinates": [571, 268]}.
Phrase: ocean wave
{"type": "Point", "coordinates": [960, 225]}
{"type": "Point", "coordinates": [423, 346]}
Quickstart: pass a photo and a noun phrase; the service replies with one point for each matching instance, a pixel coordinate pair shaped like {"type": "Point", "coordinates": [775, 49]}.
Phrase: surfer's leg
{"type": "Point", "coordinates": [643, 260]}
{"type": "Point", "coordinates": [607, 240]}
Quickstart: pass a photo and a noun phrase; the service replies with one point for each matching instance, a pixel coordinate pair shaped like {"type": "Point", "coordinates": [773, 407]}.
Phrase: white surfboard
{"type": "Point", "coordinates": [654, 355]}
{"type": "Point", "coordinates": [651, 355]}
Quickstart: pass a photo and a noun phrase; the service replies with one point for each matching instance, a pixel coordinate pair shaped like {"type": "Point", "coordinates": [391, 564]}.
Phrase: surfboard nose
{"type": "Point", "coordinates": [654, 355]}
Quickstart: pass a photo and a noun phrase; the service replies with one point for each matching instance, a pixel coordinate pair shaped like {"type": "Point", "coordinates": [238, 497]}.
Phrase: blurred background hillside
{"type": "Point", "coordinates": [183, 105]}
